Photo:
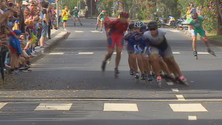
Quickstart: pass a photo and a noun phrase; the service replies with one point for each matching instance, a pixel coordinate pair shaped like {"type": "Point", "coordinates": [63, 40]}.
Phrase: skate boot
{"type": "Point", "coordinates": [159, 81]}
{"type": "Point", "coordinates": [143, 76]}
{"type": "Point", "coordinates": [169, 78]}
{"type": "Point", "coordinates": [131, 72]}
{"type": "Point", "coordinates": [182, 80]}
{"type": "Point", "coordinates": [116, 71]}
{"type": "Point", "coordinates": [103, 66]}
{"type": "Point", "coordinates": [195, 54]}
{"type": "Point", "coordinates": [211, 52]}
{"type": "Point", "coordinates": [150, 79]}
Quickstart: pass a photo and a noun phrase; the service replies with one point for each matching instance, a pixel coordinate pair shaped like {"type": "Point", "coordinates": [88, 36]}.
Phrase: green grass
{"type": "Point", "coordinates": [215, 37]}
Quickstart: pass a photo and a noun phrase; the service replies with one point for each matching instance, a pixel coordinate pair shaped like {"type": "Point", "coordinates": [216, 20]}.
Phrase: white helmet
{"type": "Point", "coordinates": [76, 7]}
{"type": "Point", "coordinates": [138, 24]}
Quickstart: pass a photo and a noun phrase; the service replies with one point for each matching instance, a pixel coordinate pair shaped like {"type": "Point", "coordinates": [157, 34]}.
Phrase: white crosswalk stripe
{"type": "Point", "coordinates": [2, 105]}
{"type": "Point", "coordinates": [120, 107]}
{"type": "Point", "coordinates": [193, 107]}
{"type": "Point", "coordinates": [54, 106]}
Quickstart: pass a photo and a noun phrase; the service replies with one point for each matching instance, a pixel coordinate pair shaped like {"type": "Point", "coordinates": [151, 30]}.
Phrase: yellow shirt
{"type": "Point", "coordinates": [65, 15]}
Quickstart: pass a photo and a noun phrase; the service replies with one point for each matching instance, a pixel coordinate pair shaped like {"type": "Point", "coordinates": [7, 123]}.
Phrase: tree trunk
{"type": "Point", "coordinates": [219, 9]}
{"type": "Point", "coordinates": [92, 8]}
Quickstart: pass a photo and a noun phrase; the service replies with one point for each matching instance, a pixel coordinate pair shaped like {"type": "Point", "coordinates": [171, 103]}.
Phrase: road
{"type": "Point", "coordinates": [67, 87]}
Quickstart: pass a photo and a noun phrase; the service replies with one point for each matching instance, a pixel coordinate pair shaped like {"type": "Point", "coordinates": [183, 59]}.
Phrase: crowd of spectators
{"type": "Point", "coordinates": [23, 28]}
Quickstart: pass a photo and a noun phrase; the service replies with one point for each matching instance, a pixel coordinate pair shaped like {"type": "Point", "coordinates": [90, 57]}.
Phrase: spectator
{"type": "Point", "coordinates": [65, 16]}
{"type": "Point", "coordinates": [45, 23]}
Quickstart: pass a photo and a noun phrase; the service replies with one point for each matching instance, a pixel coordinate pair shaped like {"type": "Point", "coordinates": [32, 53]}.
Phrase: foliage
{"type": "Point", "coordinates": [148, 9]}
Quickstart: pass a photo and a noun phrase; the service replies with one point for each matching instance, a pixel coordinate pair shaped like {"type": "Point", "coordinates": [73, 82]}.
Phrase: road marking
{"type": "Point", "coordinates": [79, 31]}
{"type": "Point", "coordinates": [95, 31]}
{"type": "Point", "coordinates": [58, 53]}
{"type": "Point", "coordinates": [54, 106]}
{"type": "Point", "coordinates": [195, 107]}
{"type": "Point", "coordinates": [120, 107]}
{"type": "Point", "coordinates": [86, 53]}
{"type": "Point", "coordinates": [176, 53]}
{"type": "Point", "coordinates": [170, 83]}
{"type": "Point", "coordinates": [192, 118]}
{"type": "Point", "coordinates": [203, 53]}
{"type": "Point", "coordinates": [114, 53]}
{"type": "Point", "coordinates": [2, 105]}
{"type": "Point", "coordinates": [180, 97]}
{"type": "Point", "coordinates": [175, 90]}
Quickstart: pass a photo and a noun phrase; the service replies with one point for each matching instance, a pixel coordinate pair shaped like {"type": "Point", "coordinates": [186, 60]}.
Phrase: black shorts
{"type": "Point", "coordinates": [64, 20]}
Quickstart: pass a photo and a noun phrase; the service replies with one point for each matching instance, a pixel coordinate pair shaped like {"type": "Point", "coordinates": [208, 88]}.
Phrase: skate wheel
{"type": "Point", "coordinates": [150, 82]}
{"type": "Point", "coordinates": [196, 57]}
{"type": "Point", "coordinates": [116, 76]}
{"type": "Point", "coordinates": [137, 81]}
{"type": "Point", "coordinates": [144, 81]}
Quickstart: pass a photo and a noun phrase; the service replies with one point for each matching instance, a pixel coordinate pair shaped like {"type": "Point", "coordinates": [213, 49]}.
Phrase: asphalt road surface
{"type": "Point", "coordinates": [67, 87]}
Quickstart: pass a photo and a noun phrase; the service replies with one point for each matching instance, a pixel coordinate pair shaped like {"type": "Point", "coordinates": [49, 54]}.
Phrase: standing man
{"type": "Point", "coordinates": [65, 17]}
{"type": "Point", "coordinates": [117, 29]}
{"type": "Point", "coordinates": [45, 23]}
{"type": "Point", "coordinates": [76, 15]}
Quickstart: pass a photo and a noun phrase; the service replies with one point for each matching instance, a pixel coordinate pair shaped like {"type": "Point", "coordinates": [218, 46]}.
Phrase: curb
{"type": "Point", "coordinates": [52, 44]}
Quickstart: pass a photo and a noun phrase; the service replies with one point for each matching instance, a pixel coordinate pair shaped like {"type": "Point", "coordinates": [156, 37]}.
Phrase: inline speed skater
{"type": "Point", "coordinates": [157, 43]}
{"type": "Point", "coordinates": [196, 23]}
{"type": "Point", "coordinates": [135, 50]}
{"type": "Point", "coordinates": [100, 19]}
{"type": "Point", "coordinates": [117, 29]}
{"type": "Point", "coordinates": [76, 15]}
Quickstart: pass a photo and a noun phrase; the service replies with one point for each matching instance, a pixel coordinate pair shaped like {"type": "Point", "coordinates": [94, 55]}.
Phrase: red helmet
{"type": "Point", "coordinates": [124, 14]}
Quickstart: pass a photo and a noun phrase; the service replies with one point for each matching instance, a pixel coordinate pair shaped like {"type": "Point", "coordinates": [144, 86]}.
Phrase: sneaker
{"type": "Point", "coordinates": [103, 66]}
{"type": "Point", "coordinates": [65, 29]}
{"type": "Point", "coordinates": [81, 24]}
{"type": "Point", "coordinates": [116, 71]}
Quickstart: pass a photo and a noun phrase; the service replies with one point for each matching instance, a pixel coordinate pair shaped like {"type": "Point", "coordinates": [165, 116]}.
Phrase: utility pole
{"type": "Point", "coordinates": [91, 8]}
{"type": "Point", "coordinates": [57, 12]}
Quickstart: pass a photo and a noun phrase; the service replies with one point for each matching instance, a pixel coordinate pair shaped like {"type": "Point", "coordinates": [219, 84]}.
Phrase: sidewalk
{"type": "Point", "coordinates": [56, 37]}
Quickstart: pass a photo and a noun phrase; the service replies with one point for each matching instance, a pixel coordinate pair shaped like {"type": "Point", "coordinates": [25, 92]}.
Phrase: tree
{"type": "Point", "coordinates": [219, 9]}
